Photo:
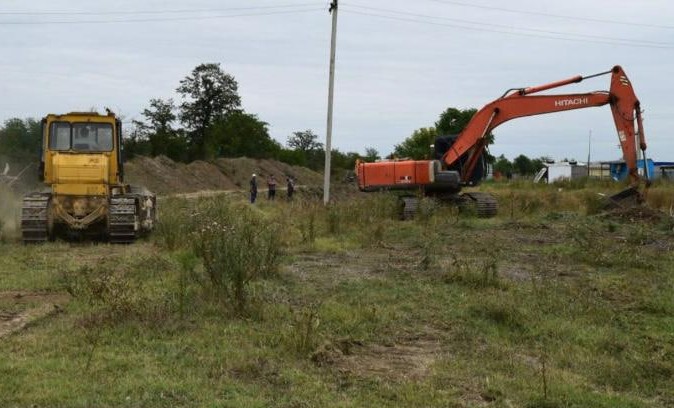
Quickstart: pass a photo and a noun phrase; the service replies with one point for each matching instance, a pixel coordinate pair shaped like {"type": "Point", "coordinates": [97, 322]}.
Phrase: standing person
{"type": "Point", "coordinates": [253, 189]}
{"type": "Point", "coordinates": [271, 185]}
{"type": "Point", "coordinates": [290, 187]}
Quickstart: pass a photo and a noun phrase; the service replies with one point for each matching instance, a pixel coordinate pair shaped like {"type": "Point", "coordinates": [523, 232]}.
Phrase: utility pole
{"type": "Point", "coordinates": [331, 91]}
{"type": "Point", "coordinates": [589, 149]}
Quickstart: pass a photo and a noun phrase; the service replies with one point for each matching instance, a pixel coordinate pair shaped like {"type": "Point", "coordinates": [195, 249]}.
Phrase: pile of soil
{"type": "Point", "coordinates": [164, 176]}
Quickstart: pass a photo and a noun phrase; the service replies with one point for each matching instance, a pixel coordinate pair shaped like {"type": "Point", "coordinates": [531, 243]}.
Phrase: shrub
{"type": "Point", "coordinates": [112, 294]}
{"type": "Point", "coordinates": [235, 247]}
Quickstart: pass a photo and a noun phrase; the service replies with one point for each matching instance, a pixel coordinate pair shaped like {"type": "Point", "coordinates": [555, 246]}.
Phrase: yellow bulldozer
{"type": "Point", "coordinates": [82, 166]}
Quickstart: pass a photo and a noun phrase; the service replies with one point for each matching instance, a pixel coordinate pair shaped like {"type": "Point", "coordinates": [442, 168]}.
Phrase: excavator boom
{"type": "Point", "coordinates": [516, 103]}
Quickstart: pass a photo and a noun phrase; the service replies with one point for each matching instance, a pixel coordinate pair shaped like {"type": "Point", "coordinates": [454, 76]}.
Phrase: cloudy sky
{"type": "Point", "coordinates": [399, 62]}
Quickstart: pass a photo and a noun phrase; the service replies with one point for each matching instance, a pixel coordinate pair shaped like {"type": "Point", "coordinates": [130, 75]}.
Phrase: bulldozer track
{"type": "Point", "coordinates": [35, 218]}
{"type": "Point", "coordinates": [122, 220]}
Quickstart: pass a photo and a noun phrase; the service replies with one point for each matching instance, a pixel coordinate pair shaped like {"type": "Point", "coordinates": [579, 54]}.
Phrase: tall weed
{"type": "Point", "coordinates": [173, 224]}
{"type": "Point", "coordinates": [302, 335]}
{"type": "Point", "coordinates": [334, 220]}
{"type": "Point", "coordinates": [236, 247]}
{"type": "Point", "coordinates": [481, 275]}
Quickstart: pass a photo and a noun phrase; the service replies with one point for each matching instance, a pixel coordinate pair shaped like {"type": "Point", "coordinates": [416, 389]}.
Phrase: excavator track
{"type": "Point", "coordinates": [410, 206]}
{"type": "Point", "coordinates": [122, 220]}
{"type": "Point", "coordinates": [35, 218]}
{"type": "Point", "coordinates": [484, 205]}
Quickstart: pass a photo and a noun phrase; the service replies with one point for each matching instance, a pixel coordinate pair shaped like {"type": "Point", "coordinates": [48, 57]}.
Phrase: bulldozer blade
{"type": "Point", "coordinates": [628, 197]}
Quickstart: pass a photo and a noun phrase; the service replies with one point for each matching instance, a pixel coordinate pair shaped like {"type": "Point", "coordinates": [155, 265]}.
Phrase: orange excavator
{"type": "Point", "coordinates": [459, 160]}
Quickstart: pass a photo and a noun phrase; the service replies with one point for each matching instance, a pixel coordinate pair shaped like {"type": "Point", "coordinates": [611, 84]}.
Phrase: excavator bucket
{"type": "Point", "coordinates": [626, 198]}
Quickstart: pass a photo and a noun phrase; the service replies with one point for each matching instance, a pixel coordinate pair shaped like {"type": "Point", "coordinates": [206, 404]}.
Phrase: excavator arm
{"type": "Point", "coordinates": [516, 103]}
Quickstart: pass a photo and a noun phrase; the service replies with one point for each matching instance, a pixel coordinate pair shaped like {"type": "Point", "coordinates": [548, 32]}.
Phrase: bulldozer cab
{"type": "Point", "coordinates": [82, 153]}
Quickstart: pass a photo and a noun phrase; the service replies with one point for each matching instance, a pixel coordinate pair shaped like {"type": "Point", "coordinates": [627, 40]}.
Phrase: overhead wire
{"type": "Point", "coordinates": [539, 13]}
{"type": "Point", "coordinates": [132, 12]}
{"type": "Point", "coordinates": [162, 19]}
{"type": "Point", "coordinates": [464, 21]}
{"type": "Point", "coordinates": [521, 34]}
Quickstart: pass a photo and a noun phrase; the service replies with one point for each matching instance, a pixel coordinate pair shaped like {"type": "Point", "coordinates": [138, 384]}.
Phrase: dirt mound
{"type": "Point", "coordinates": [164, 176]}
{"type": "Point", "coordinates": [240, 169]}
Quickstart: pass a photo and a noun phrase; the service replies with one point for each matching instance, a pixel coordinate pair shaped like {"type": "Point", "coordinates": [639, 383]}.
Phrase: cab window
{"type": "Point", "coordinates": [92, 137]}
{"type": "Point", "coordinates": [59, 136]}
{"type": "Point", "coordinates": [81, 137]}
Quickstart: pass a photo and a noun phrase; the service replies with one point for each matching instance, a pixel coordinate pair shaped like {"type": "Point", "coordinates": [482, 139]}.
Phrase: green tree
{"type": "Point", "coordinates": [503, 165]}
{"type": "Point", "coordinates": [21, 139]}
{"type": "Point", "coordinates": [292, 157]}
{"type": "Point", "coordinates": [136, 143]}
{"type": "Point", "coordinates": [209, 94]}
{"type": "Point", "coordinates": [452, 122]}
{"type": "Point", "coordinates": [343, 161]}
{"type": "Point", "coordinates": [243, 134]}
{"type": "Point", "coordinates": [418, 145]}
{"type": "Point", "coordinates": [371, 155]}
{"type": "Point", "coordinates": [537, 164]}
{"type": "Point", "coordinates": [157, 127]}
{"type": "Point", "coordinates": [309, 152]}
{"type": "Point", "coordinates": [523, 165]}
{"type": "Point", "coordinates": [304, 141]}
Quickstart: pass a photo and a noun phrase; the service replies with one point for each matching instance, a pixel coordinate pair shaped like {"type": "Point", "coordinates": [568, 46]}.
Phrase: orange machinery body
{"type": "Point", "coordinates": [396, 174]}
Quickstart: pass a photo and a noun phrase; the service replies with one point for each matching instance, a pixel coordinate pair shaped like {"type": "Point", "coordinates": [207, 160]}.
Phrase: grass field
{"type": "Point", "coordinates": [554, 303]}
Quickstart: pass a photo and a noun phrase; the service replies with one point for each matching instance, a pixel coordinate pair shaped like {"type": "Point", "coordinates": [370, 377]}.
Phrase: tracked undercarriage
{"type": "Point", "coordinates": [483, 205]}
{"type": "Point", "coordinates": [121, 219]}
{"type": "Point", "coordinates": [35, 218]}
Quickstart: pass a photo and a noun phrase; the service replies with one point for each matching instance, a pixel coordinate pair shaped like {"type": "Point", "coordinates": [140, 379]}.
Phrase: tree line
{"type": "Point", "coordinates": [20, 140]}
{"type": "Point", "coordinates": [208, 121]}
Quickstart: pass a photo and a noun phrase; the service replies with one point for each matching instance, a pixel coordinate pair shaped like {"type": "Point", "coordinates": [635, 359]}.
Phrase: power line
{"type": "Point", "coordinates": [132, 12]}
{"type": "Point", "coordinates": [537, 13]}
{"type": "Point", "coordinates": [150, 20]}
{"type": "Point", "coordinates": [412, 20]}
{"type": "Point", "coordinates": [510, 27]}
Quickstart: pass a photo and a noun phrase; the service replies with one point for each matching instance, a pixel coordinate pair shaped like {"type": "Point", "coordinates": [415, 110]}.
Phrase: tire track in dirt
{"type": "Point", "coordinates": [21, 309]}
